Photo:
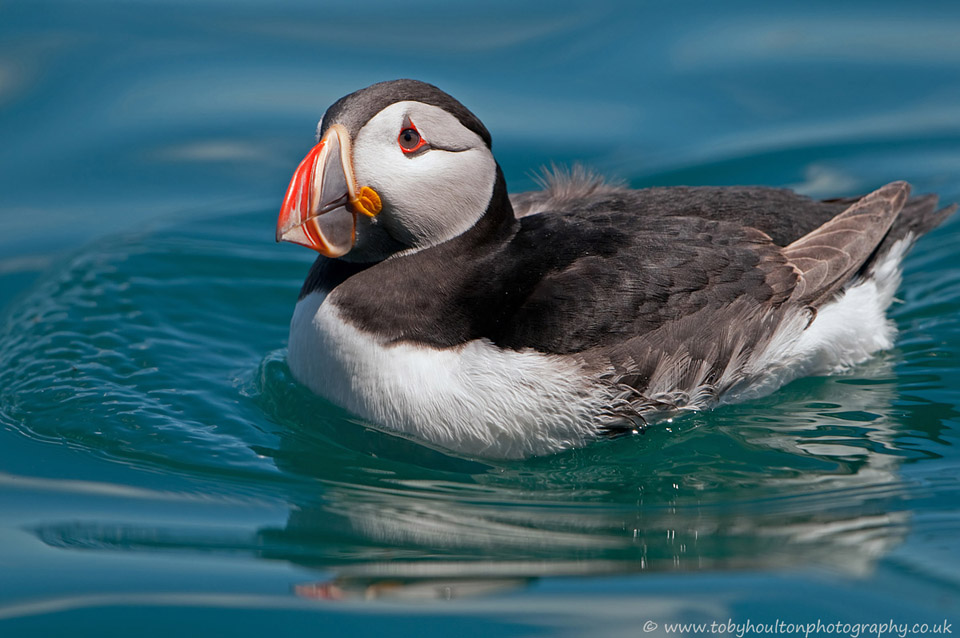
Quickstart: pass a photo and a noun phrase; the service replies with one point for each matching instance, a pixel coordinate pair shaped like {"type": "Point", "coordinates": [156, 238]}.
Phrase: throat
{"type": "Point", "coordinates": [326, 274]}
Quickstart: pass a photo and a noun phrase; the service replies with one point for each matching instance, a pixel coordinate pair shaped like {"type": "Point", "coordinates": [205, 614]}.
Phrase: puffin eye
{"type": "Point", "coordinates": [409, 139]}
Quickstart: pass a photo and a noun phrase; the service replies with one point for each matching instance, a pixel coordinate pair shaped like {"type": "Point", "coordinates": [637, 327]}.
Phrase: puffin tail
{"type": "Point", "coordinates": [919, 216]}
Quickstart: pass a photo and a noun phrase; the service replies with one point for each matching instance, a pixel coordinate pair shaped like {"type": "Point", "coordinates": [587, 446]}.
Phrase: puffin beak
{"type": "Point", "coordinates": [322, 202]}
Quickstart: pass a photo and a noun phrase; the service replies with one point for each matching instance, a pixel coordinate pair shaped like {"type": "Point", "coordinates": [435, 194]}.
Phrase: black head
{"type": "Point", "coordinates": [354, 110]}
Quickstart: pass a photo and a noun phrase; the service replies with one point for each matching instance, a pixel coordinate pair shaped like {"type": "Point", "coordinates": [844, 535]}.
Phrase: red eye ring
{"type": "Point", "coordinates": [410, 140]}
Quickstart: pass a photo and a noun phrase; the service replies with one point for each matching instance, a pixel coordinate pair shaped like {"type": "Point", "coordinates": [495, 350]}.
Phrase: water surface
{"type": "Point", "coordinates": [161, 472]}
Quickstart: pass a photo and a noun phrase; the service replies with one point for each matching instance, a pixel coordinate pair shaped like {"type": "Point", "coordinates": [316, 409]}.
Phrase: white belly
{"type": "Point", "coordinates": [474, 398]}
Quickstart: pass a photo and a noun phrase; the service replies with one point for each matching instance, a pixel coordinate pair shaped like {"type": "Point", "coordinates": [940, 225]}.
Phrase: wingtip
{"type": "Point", "coordinates": [897, 192]}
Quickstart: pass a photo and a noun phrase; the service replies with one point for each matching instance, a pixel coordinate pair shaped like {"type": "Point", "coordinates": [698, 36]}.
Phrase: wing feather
{"type": "Point", "coordinates": [831, 254]}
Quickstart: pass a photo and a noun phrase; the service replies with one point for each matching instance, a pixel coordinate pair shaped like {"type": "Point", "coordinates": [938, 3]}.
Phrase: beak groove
{"type": "Point", "coordinates": [318, 210]}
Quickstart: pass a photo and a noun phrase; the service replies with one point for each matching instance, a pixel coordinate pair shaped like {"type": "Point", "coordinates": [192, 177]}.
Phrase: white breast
{"type": "Point", "coordinates": [474, 398]}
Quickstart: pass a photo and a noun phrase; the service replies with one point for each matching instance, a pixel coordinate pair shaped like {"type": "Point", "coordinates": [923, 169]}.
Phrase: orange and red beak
{"type": "Point", "coordinates": [322, 202]}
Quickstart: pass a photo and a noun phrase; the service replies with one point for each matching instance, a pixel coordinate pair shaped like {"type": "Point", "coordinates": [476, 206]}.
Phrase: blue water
{"type": "Point", "coordinates": [162, 474]}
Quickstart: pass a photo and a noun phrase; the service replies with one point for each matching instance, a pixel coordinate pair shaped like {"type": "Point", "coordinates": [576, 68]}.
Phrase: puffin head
{"type": "Point", "coordinates": [398, 165]}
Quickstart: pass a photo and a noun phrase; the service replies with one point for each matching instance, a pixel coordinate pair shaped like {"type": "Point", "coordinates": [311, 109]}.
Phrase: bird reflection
{"type": "Point", "coordinates": [807, 477]}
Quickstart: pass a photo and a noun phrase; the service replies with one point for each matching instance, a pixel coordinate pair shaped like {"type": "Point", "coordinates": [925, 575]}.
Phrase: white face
{"type": "Point", "coordinates": [430, 194]}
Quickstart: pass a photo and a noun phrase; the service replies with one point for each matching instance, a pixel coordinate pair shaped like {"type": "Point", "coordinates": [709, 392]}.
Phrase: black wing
{"type": "Point", "coordinates": [569, 282]}
{"type": "Point", "coordinates": [671, 315]}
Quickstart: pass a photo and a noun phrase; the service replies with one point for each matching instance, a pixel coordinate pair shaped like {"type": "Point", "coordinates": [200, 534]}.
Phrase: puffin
{"type": "Point", "coordinates": [447, 311]}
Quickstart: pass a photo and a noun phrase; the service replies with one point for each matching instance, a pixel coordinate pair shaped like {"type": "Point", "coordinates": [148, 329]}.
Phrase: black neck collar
{"type": "Point", "coordinates": [496, 224]}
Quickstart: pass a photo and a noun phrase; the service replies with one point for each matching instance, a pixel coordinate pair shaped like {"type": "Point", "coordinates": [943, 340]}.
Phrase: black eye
{"type": "Point", "coordinates": [409, 140]}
